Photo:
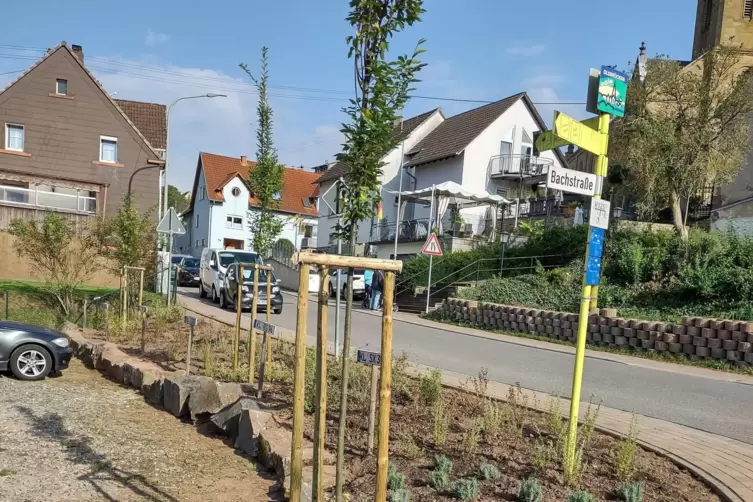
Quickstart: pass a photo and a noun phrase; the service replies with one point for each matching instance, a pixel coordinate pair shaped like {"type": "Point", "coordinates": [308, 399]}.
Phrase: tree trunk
{"type": "Point", "coordinates": [345, 360]}
{"type": "Point", "coordinates": [677, 217]}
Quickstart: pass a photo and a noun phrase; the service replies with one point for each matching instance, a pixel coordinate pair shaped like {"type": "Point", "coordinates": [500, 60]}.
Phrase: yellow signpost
{"type": "Point", "coordinates": [592, 135]}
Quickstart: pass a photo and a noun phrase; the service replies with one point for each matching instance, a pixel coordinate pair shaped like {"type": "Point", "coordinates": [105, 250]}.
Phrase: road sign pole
{"type": "Point", "coordinates": [169, 265]}
{"type": "Point", "coordinates": [428, 285]}
{"type": "Point", "coordinates": [602, 164]}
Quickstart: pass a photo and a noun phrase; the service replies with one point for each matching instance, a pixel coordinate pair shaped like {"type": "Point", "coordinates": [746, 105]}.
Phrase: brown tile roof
{"type": "Point", "coordinates": [64, 46]}
{"type": "Point", "coordinates": [340, 169]}
{"type": "Point", "coordinates": [219, 170]}
{"type": "Point", "coordinates": [149, 118]}
{"type": "Point", "coordinates": [453, 135]}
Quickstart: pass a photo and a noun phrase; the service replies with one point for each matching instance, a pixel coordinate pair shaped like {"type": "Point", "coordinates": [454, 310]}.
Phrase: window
{"type": "Point", "coordinates": [397, 199]}
{"type": "Point", "coordinates": [747, 9]}
{"type": "Point", "coordinates": [61, 87]}
{"type": "Point", "coordinates": [14, 137]}
{"type": "Point", "coordinates": [707, 14]}
{"type": "Point", "coordinates": [502, 192]}
{"type": "Point", "coordinates": [108, 149]}
{"type": "Point", "coordinates": [201, 192]}
{"type": "Point", "coordinates": [276, 196]}
{"type": "Point", "coordinates": [197, 220]}
{"type": "Point", "coordinates": [234, 222]}
{"type": "Point", "coordinates": [235, 191]}
{"type": "Point", "coordinates": [308, 231]}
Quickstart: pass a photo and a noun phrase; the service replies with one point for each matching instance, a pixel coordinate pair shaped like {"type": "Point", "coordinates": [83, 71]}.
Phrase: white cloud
{"type": "Point", "coordinates": [225, 126]}
{"type": "Point", "coordinates": [154, 38]}
{"type": "Point", "coordinates": [526, 49]}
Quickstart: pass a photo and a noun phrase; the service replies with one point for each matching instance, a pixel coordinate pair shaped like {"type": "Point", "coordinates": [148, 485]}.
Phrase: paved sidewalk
{"type": "Point", "coordinates": [724, 463]}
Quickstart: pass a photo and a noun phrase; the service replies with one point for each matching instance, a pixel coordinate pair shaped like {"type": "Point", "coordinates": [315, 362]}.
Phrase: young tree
{"type": "Point", "coordinates": [176, 199]}
{"type": "Point", "coordinates": [685, 127]}
{"type": "Point", "coordinates": [381, 92]}
{"type": "Point", "coordinates": [266, 179]}
{"type": "Point", "coordinates": [129, 238]}
{"type": "Point", "coordinates": [66, 256]}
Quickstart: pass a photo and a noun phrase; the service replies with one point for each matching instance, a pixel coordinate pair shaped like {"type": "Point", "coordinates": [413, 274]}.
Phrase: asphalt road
{"type": "Point", "coordinates": [710, 404]}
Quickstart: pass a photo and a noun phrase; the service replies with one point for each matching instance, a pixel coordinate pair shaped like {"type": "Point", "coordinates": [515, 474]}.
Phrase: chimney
{"type": "Point", "coordinates": [244, 161]}
{"type": "Point", "coordinates": [78, 51]}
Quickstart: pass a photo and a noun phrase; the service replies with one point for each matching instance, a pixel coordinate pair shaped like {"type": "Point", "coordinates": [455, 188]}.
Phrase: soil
{"type": "Point", "coordinates": [518, 452]}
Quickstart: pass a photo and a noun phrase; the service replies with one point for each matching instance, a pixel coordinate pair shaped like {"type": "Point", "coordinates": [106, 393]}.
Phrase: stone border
{"type": "Point", "coordinates": [249, 425]}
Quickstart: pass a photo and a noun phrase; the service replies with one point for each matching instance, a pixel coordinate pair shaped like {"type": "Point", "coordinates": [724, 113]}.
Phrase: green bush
{"type": "Point", "coordinates": [489, 471]}
{"type": "Point", "coordinates": [430, 387]}
{"type": "Point", "coordinates": [530, 490]}
{"type": "Point", "coordinates": [442, 463]}
{"type": "Point", "coordinates": [395, 480]}
{"type": "Point", "coordinates": [439, 480]}
{"type": "Point", "coordinates": [400, 495]}
{"type": "Point", "coordinates": [465, 489]}
{"type": "Point", "coordinates": [630, 492]}
{"type": "Point", "coordinates": [580, 496]}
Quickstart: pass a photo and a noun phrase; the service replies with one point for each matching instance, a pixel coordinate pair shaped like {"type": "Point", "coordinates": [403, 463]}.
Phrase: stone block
{"type": "Point", "coordinates": [723, 334]}
{"type": "Point", "coordinates": [682, 338]}
{"type": "Point", "coordinates": [549, 330]}
{"type": "Point", "coordinates": [620, 341]}
{"type": "Point", "coordinates": [746, 327]}
{"type": "Point", "coordinates": [598, 337]}
{"type": "Point", "coordinates": [714, 343]}
{"type": "Point", "coordinates": [210, 396]}
{"type": "Point", "coordinates": [718, 353]}
{"type": "Point", "coordinates": [729, 345]}
{"type": "Point", "coordinates": [152, 387]}
{"type": "Point", "coordinates": [716, 324]}
{"type": "Point", "coordinates": [693, 331]}
{"type": "Point", "coordinates": [741, 364]}
{"type": "Point", "coordinates": [648, 344]}
{"type": "Point", "coordinates": [744, 346]}
{"type": "Point", "coordinates": [733, 355]}
{"type": "Point", "coordinates": [702, 322]}
{"type": "Point", "coordinates": [635, 342]}
{"type": "Point", "coordinates": [613, 322]}
{"type": "Point", "coordinates": [628, 332]}
{"type": "Point", "coordinates": [702, 351]}
{"type": "Point", "coordinates": [661, 346]}
{"type": "Point", "coordinates": [608, 312]}
{"type": "Point", "coordinates": [592, 328]}
{"type": "Point", "coordinates": [749, 357]}
{"type": "Point", "coordinates": [608, 339]}
{"type": "Point", "coordinates": [616, 331]}
{"type": "Point", "coordinates": [675, 348]}
{"type": "Point", "coordinates": [605, 329]}
{"type": "Point", "coordinates": [700, 341]}
{"type": "Point", "coordinates": [688, 348]}
{"type": "Point", "coordinates": [655, 335]}
{"type": "Point", "coordinates": [732, 325]}
{"type": "Point", "coordinates": [635, 324]}
{"type": "Point", "coordinates": [739, 336]}
{"type": "Point", "coordinates": [678, 329]}
{"type": "Point", "coordinates": [177, 390]}
{"type": "Point", "coordinates": [604, 321]}
{"type": "Point", "coordinates": [671, 337]}
{"type": "Point", "coordinates": [708, 333]}
{"type": "Point", "coordinates": [642, 334]}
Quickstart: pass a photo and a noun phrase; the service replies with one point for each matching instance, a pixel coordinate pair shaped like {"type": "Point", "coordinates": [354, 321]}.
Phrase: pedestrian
{"type": "Point", "coordinates": [377, 285]}
{"type": "Point", "coordinates": [367, 278]}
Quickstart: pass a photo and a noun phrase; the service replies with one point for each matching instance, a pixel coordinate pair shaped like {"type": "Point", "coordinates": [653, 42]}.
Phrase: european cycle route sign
{"type": "Point", "coordinates": [570, 180]}
{"type": "Point", "coordinates": [612, 92]}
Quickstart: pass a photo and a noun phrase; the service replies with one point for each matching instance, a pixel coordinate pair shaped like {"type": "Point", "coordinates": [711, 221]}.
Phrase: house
{"type": "Point", "coordinates": [486, 149]}
{"type": "Point", "coordinates": [68, 146]}
{"type": "Point", "coordinates": [218, 215]}
{"type": "Point", "coordinates": [408, 132]}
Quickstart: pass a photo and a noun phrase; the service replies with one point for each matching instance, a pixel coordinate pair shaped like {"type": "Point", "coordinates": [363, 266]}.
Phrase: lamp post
{"type": "Point", "coordinates": [164, 208]}
{"type": "Point", "coordinates": [504, 238]}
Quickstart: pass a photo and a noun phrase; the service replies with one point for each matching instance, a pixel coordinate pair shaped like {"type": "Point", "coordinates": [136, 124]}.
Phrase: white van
{"type": "Point", "coordinates": [214, 263]}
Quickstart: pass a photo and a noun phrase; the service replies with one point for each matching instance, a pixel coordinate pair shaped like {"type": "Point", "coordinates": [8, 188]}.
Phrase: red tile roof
{"type": "Point", "coordinates": [149, 118]}
{"type": "Point", "coordinates": [219, 170]}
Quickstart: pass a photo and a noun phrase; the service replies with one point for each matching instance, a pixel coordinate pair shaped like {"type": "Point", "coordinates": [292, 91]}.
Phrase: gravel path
{"type": "Point", "coordinates": [83, 438]}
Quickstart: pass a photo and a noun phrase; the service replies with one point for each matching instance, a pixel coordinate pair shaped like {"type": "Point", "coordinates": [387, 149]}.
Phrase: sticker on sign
{"type": "Point", "coordinates": [570, 180]}
{"type": "Point", "coordinates": [368, 357]}
{"type": "Point", "coordinates": [599, 215]}
{"type": "Point", "coordinates": [432, 246]}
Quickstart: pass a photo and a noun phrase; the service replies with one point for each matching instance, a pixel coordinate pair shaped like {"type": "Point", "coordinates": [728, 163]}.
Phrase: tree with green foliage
{"type": "Point", "coordinates": [129, 238]}
{"type": "Point", "coordinates": [177, 199]}
{"type": "Point", "coordinates": [381, 92]}
{"type": "Point", "coordinates": [65, 253]}
{"type": "Point", "coordinates": [266, 179]}
{"type": "Point", "coordinates": [686, 127]}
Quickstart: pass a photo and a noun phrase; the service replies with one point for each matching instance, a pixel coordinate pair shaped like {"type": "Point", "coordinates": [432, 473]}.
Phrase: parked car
{"type": "Point", "coordinates": [188, 272]}
{"type": "Point", "coordinates": [359, 286]}
{"type": "Point", "coordinates": [32, 352]}
{"type": "Point", "coordinates": [214, 263]}
{"type": "Point", "coordinates": [229, 290]}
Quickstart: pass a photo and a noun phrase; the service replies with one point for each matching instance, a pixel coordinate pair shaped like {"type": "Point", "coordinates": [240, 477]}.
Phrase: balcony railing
{"type": "Point", "coordinates": [518, 166]}
{"type": "Point", "coordinates": [33, 197]}
{"type": "Point", "coordinates": [408, 231]}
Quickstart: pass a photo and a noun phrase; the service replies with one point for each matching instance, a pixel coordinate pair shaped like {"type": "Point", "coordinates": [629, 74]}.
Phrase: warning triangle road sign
{"type": "Point", "coordinates": [432, 246]}
{"type": "Point", "coordinates": [170, 223]}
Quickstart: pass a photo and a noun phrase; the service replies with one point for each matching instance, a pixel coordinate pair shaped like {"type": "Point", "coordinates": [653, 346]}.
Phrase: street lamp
{"type": "Point", "coordinates": [504, 238]}
{"type": "Point", "coordinates": [164, 209]}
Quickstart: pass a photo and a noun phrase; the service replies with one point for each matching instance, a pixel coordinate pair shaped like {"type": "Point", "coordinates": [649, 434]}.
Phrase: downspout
{"type": "Point", "coordinates": [209, 225]}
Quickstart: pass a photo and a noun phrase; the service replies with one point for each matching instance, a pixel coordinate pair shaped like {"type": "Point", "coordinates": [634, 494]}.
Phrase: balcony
{"type": "Point", "coordinates": [408, 231]}
{"type": "Point", "coordinates": [518, 167]}
{"type": "Point", "coordinates": [43, 199]}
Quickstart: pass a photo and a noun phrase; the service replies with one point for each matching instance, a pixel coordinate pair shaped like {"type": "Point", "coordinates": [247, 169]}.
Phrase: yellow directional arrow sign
{"type": "Point", "coordinates": [584, 134]}
{"type": "Point", "coordinates": [548, 141]}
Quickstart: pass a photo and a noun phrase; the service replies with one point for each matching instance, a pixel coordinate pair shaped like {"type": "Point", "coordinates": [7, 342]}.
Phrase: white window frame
{"type": "Point", "coordinates": [7, 137]}
{"type": "Point", "coordinates": [201, 192]}
{"type": "Point", "coordinates": [58, 81]}
{"type": "Point", "coordinates": [197, 220]}
{"type": "Point", "coordinates": [111, 139]}
{"type": "Point", "coordinates": [230, 222]}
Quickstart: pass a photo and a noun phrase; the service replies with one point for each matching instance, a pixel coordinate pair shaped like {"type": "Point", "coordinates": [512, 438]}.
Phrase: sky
{"type": "Point", "coordinates": [483, 50]}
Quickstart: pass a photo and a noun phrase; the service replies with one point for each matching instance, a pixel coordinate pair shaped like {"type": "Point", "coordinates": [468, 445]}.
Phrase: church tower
{"type": "Point", "coordinates": [717, 21]}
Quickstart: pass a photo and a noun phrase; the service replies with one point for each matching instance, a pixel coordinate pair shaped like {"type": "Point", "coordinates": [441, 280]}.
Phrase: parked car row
{"type": "Point", "coordinates": [216, 274]}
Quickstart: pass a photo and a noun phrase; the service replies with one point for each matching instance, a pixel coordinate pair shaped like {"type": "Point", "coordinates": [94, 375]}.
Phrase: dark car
{"type": "Point", "coordinates": [188, 272]}
{"type": "Point", "coordinates": [32, 352]}
{"type": "Point", "coordinates": [229, 290]}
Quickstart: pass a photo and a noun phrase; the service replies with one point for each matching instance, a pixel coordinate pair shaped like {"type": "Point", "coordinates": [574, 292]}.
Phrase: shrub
{"type": "Point", "coordinates": [489, 471]}
{"type": "Point", "coordinates": [542, 455]}
{"type": "Point", "coordinates": [529, 490]}
{"type": "Point", "coordinates": [471, 439]}
{"type": "Point", "coordinates": [465, 489]}
{"type": "Point", "coordinates": [627, 449]}
{"type": "Point", "coordinates": [395, 480]}
{"type": "Point", "coordinates": [630, 492]}
{"type": "Point", "coordinates": [439, 480]}
{"type": "Point", "coordinates": [493, 419]}
{"type": "Point", "coordinates": [430, 387]}
{"type": "Point", "coordinates": [442, 463]}
{"type": "Point", "coordinates": [441, 423]}
{"type": "Point", "coordinates": [400, 495]}
{"type": "Point", "coordinates": [580, 496]}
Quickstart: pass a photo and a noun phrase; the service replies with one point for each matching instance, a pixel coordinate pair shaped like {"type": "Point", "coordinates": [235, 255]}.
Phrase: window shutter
{"type": "Point", "coordinates": [748, 9]}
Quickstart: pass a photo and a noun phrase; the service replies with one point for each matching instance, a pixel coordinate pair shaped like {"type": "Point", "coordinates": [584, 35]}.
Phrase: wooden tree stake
{"type": "Point", "coordinates": [299, 383]}
{"type": "Point", "coordinates": [320, 414]}
{"type": "Point", "coordinates": [385, 389]}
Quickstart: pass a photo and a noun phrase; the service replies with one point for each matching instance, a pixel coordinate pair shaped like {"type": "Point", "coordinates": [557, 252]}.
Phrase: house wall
{"type": "Point", "coordinates": [63, 135]}
{"type": "Point", "coordinates": [327, 221]}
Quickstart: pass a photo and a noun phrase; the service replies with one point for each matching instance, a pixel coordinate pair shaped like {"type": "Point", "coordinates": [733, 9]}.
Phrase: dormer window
{"type": "Point", "coordinates": [61, 87]}
{"type": "Point", "coordinates": [235, 191]}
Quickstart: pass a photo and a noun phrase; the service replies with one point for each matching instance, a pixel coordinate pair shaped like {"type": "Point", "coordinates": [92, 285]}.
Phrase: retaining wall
{"type": "Point", "coordinates": [695, 337]}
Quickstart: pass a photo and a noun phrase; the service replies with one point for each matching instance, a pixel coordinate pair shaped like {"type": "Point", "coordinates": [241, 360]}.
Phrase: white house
{"type": "Point", "coordinates": [221, 201]}
{"type": "Point", "coordinates": [486, 149]}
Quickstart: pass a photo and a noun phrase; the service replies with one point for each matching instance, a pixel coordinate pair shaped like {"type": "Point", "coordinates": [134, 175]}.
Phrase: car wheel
{"type": "Point", "coordinates": [30, 362]}
{"type": "Point", "coordinates": [223, 300]}
{"type": "Point", "coordinates": [202, 291]}
{"type": "Point", "coordinates": [277, 311]}
{"type": "Point", "coordinates": [331, 291]}
{"type": "Point", "coordinates": [215, 298]}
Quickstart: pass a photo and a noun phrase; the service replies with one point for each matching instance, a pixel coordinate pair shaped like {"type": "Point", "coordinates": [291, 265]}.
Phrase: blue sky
{"type": "Point", "coordinates": [476, 49]}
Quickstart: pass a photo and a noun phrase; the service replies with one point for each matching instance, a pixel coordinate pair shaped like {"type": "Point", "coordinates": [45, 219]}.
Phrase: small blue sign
{"type": "Point", "coordinates": [593, 271]}
{"type": "Point", "coordinates": [596, 242]}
